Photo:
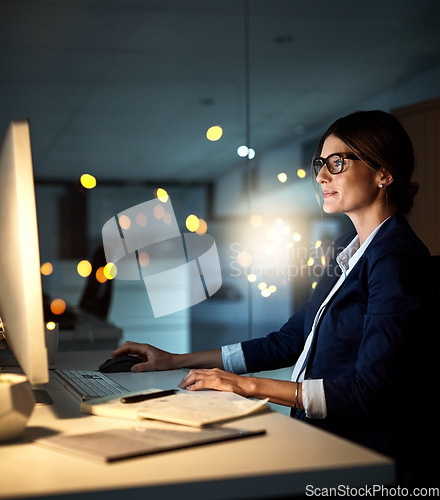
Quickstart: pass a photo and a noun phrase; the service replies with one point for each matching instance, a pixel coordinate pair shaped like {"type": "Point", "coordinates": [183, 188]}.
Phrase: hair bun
{"type": "Point", "coordinates": [405, 198]}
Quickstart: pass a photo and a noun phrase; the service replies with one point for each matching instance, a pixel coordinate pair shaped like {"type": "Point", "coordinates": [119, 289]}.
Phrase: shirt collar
{"type": "Point", "coordinates": [353, 252]}
{"type": "Point", "coordinates": [343, 259]}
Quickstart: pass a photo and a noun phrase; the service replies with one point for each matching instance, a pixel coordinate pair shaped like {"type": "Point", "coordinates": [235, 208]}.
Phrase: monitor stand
{"type": "Point", "coordinates": [7, 360]}
{"type": "Point", "coordinates": [42, 397]}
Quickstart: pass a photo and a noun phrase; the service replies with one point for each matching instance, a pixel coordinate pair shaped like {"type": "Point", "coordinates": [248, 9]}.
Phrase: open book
{"type": "Point", "coordinates": [196, 409]}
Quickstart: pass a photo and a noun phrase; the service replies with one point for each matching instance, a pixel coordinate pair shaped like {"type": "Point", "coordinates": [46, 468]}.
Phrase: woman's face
{"type": "Point", "coordinates": [355, 190]}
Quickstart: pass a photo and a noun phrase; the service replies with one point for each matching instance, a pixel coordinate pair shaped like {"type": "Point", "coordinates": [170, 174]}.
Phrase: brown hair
{"type": "Point", "coordinates": [380, 140]}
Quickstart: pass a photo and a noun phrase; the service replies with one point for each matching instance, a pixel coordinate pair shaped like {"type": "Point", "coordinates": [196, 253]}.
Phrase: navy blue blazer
{"type": "Point", "coordinates": [369, 334]}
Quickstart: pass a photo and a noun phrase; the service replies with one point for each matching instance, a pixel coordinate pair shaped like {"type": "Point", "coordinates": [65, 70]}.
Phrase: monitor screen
{"type": "Point", "coordinates": [21, 299]}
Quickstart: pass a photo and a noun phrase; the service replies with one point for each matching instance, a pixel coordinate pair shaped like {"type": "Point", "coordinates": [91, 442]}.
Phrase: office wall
{"type": "Point", "coordinates": [422, 122]}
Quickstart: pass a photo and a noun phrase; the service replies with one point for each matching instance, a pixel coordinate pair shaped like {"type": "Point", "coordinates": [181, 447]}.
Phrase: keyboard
{"type": "Point", "coordinates": [84, 384]}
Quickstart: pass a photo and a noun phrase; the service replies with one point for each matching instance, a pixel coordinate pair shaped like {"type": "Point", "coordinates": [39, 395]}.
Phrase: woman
{"type": "Point", "coordinates": [357, 341]}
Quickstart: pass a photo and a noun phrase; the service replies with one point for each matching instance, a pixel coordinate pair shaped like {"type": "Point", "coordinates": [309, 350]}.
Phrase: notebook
{"type": "Point", "coordinates": [195, 409]}
{"type": "Point", "coordinates": [119, 444]}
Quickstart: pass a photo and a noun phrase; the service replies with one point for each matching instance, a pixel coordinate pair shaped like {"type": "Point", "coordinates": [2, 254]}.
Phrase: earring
{"type": "Point", "coordinates": [381, 186]}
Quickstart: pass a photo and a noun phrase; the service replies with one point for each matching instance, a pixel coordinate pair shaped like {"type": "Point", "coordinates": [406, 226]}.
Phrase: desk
{"type": "Point", "coordinates": [283, 462]}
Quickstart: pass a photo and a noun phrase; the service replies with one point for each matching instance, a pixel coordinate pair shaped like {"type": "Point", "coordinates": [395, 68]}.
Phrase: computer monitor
{"type": "Point", "coordinates": [21, 298]}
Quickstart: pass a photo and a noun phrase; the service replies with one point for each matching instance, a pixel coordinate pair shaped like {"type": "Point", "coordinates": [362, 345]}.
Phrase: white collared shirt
{"type": "Point", "coordinates": [313, 394]}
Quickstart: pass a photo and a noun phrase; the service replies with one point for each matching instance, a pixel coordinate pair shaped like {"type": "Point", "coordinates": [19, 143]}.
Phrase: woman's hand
{"type": "Point", "coordinates": [219, 380]}
{"type": "Point", "coordinates": [152, 358]}
{"type": "Point", "coordinates": [278, 391]}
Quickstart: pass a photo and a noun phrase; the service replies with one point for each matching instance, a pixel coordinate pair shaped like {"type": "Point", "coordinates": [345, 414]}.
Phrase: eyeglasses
{"type": "Point", "coordinates": [335, 162]}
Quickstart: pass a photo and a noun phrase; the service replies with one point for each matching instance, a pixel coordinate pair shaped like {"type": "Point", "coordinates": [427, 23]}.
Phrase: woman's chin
{"type": "Point", "coordinates": [328, 209]}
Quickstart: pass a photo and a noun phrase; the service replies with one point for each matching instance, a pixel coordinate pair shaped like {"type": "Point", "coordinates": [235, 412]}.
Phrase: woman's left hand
{"type": "Point", "coordinates": [278, 391]}
{"type": "Point", "coordinates": [217, 379]}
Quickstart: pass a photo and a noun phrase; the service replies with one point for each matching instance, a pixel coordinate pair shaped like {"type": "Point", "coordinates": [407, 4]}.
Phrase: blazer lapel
{"type": "Point", "coordinates": [331, 273]}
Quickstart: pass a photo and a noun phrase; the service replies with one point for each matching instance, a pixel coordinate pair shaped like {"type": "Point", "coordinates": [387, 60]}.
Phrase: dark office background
{"type": "Point", "coordinates": [126, 89]}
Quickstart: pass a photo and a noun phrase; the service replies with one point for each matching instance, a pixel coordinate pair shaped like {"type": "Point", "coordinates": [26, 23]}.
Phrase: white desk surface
{"type": "Point", "coordinates": [283, 462]}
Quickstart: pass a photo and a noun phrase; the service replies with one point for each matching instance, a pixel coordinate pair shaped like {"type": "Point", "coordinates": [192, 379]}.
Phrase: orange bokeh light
{"type": "Point", "coordinates": [57, 306]}
{"type": "Point", "coordinates": [100, 276]}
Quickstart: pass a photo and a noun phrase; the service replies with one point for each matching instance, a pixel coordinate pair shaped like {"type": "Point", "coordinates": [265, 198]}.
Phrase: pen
{"type": "Point", "coordinates": [144, 397]}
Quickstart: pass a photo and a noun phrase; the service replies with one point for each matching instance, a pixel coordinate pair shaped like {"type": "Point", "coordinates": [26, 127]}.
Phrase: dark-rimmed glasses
{"type": "Point", "coordinates": [335, 162]}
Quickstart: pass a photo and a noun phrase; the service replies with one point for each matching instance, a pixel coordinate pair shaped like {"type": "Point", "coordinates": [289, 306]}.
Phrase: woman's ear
{"type": "Point", "coordinates": [385, 176]}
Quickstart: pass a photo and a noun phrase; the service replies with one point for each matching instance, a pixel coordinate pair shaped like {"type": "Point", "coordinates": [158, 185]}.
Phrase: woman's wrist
{"type": "Point", "coordinates": [177, 361]}
{"type": "Point", "coordinates": [255, 387]}
{"type": "Point", "coordinates": [282, 392]}
{"type": "Point", "coordinates": [202, 359]}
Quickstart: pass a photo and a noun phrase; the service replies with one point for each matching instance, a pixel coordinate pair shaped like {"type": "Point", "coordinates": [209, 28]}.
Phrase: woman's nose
{"type": "Point", "coordinates": [323, 175]}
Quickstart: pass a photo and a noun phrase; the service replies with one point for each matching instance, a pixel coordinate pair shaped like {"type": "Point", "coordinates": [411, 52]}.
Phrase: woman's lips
{"type": "Point", "coordinates": [327, 193]}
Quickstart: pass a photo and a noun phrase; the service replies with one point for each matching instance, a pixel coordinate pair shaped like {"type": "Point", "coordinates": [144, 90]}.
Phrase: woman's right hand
{"type": "Point", "coordinates": [152, 358]}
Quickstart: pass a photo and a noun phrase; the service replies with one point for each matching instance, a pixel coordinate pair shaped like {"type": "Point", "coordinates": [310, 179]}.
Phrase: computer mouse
{"type": "Point", "coordinates": [119, 364]}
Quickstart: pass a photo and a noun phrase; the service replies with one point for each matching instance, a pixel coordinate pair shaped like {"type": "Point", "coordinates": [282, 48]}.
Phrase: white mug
{"type": "Point", "coordinates": [16, 404]}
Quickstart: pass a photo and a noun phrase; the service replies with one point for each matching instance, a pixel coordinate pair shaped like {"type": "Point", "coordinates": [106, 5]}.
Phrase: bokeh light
{"type": "Point", "coordinates": [57, 306]}
{"type": "Point", "coordinates": [84, 268]}
{"type": "Point", "coordinates": [162, 195]}
{"type": "Point", "coordinates": [100, 276]}
{"type": "Point", "coordinates": [46, 269]}
{"type": "Point", "coordinates": [144, 259]}
{"type": "Point", "coordinates": [110, 270]}
{"type": "Point", "coordinates": [256, 220]}
{"type": "Point", "coordinates": [87, 181]}
{"type": "Point", "coordinates": [158, 212]}
{"type": "Point", "coordinates": [124, 222]}
{"type": "Point", "coordinates": [214, 133]}
{"type": "Point", "coordinates": [282, 177]}
{"type": "Point", "coordinates": [192, 223]}
{"type": "Point", "coordinates": [141, 219]}
{"type": "Point", "coordinates": [244, 258]}
{"type": "Point", "coordinates": [167, 218]}
{"type": "Point", "coordinates": [242, 151]}
{"type": "Point", "coordinates": [203, 227]}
